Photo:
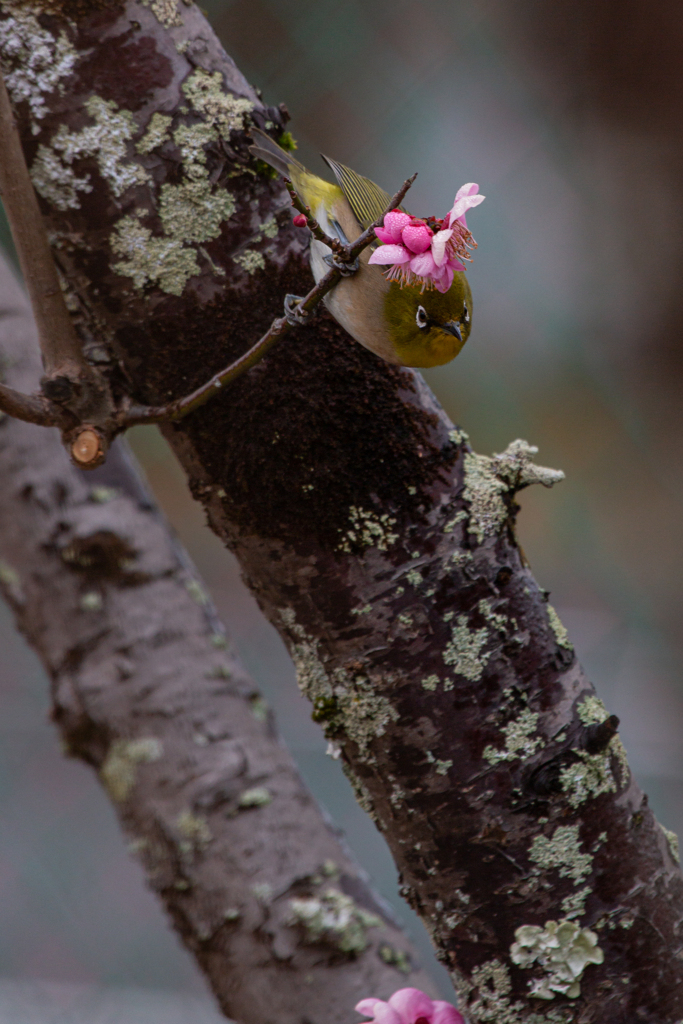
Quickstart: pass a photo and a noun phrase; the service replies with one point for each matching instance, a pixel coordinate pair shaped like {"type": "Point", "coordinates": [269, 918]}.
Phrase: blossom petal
{"type": "Point", "coordinates": [424, 266]}
{"type": "Point", "coordinates": [444, 1013]}
{"type": "Point", "coordinates": [416, 237]}
{"type": "Point", "coordinates": [390, 254]}
{"type": "Point", "coordinates": [410, 1004]}
{"type": "Point", "coordinates": [463, 205]}
{"type": "Point", "coordinates": [367, 1006]}
{"type": "Point", "coordinates": [394, 223]}
{"type": "Point", "coordinates": [380, 1011]}
{"type": "Point", "coordinates": [445, 280]}
{"type": "Point", "coordinates": [439, 246]}
{"type": "Point", "coordinates": [470, 189]}
{"type": "Point", "coordinates": [384, 236]}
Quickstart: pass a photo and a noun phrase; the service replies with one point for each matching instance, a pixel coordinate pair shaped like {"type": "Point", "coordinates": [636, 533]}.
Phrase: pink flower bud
{"type": "Point", "coordinates": [417, 237]}
{"type": "Point", "coordinates": [300, 220]}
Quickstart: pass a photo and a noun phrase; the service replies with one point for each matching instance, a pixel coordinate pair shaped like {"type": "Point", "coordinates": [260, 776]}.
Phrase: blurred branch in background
{"type": "Point", "coordinates": [147, 692]}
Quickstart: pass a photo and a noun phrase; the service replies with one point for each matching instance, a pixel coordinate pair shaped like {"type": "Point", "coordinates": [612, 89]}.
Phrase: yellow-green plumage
{"type": "Point", "coordinates": [380, 314]}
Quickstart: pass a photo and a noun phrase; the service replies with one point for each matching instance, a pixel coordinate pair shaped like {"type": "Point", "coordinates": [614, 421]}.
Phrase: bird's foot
{"type": "Point", "coordinates": [345, 269]}
{"type": "Point", "coordinates": [294, 316]}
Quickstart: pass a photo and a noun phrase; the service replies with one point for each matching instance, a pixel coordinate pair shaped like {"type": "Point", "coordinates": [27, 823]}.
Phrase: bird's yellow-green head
{"type": "Point", "coordinates": [428, 328]}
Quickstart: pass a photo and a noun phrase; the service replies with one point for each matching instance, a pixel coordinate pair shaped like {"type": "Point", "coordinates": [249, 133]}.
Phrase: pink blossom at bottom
{"type": "Point", "coordinates": [409, 1006]}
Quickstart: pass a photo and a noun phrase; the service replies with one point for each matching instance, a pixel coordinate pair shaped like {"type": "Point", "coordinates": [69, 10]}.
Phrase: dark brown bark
{"type": "Point", "coordinates": [147, 691]}
{"type": "Point", "coordinates": [380, 546]}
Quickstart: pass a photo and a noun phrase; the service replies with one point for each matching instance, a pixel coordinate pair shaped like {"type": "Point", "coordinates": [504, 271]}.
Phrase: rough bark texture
{"type": "Point", "coordinates": [147, 691]}
{"type": "Point", "coordinates": [380, 546]}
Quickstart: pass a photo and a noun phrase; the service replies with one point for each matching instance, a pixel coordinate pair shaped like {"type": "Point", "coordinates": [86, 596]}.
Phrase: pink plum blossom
{"type": "Point", "coordinates": [409, 1006]}
{"type": "Point", "coordinates": [427, 252]}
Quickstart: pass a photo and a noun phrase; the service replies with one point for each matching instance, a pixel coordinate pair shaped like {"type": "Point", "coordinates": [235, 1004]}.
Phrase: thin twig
{"type": "Point", "coordinates": [30, 408]}
{"type": "Point", "coordinates": [182, 406]}
{"type": "Point", "coordinates": [59, 344]}
{"type": "Point", "coordinates": [313, 226]}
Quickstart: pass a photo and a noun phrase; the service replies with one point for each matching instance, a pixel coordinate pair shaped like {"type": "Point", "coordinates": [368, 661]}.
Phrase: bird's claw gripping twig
{"type": "Point", "coordinates": [345, 269]}
{"type": "Point", "coordinates": [294, 315]}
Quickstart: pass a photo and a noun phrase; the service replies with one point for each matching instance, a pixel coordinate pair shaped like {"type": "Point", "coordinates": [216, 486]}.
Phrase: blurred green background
{"type": "Point", "coordinates": [567, 116]}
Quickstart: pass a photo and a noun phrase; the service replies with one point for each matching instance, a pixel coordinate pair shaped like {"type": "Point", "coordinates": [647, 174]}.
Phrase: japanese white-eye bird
{"type": "Point", "coordinates": [420, 313]}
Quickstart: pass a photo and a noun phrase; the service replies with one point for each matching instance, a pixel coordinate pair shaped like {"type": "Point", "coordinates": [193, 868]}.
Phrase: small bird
{"type": "Point", "coordinates": [419, 313]}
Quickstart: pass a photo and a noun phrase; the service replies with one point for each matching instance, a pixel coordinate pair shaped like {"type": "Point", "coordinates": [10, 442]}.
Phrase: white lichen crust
{"type": "Point", "coordinates": [562, 950]}
{"type": "Point", "coordinates": [342, 700]}
{"type": "Point", "coordinates": [119, 768]}
{"type": "Point", "coordinates": [334, 919]}
{"type": "Point", "coordinates": [487, 479]}
{"type": "Point", "coordinates": [34, 61]}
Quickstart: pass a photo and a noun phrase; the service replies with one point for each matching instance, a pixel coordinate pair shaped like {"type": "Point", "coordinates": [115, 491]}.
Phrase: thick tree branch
{"type": "Point", "coordinates": [147, 691]}
{"type": "Point", "coordinates": [378, 543]}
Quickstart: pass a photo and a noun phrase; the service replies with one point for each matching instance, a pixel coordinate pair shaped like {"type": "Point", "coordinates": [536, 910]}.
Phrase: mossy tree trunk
{"type": "Point", "coordinates": [379, 545]}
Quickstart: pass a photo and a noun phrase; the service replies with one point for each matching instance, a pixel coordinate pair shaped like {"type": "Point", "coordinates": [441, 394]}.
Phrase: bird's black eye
{"type": "Point", "coordinates": [465, 313]}
{"type": "Point", "coordinates": [421, 317]}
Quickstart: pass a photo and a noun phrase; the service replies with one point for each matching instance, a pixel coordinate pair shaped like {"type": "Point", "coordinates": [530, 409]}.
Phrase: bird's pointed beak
{"type": "Point", "coordinates": [453, 327]}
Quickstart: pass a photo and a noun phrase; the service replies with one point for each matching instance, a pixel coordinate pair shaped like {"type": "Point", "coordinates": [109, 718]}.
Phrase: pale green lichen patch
{"type": "Point", "coordinates": [414, 577]}
{"type": "Point", "coordinates": [492, 1002]}
{"type": "Point", "coordinates": [166, 262]}
{"type": "Point", "coordinates": [35, 61]}
{"type": "Point", "coordinates": [453, 522]}
{"type": "Point", "coordinates": [105, 140]}
{"type": "Point", "coordinates": [457, 436]}
{"type": "Point", "coordinates": [516, 468]}
{"type": "Point", "coordinates": [518, 741]}
{"type": "Point", "coordinates": [166, 11]}
{"type": "Point", "coordinates": [495, 619]}
{"type": "Point", "coordinates": [430, 682]}
{"type": "Point", "coordinates": [257, 796]}
{"type": "Point", "coordinates": [589, 777]}
{"type": "Point", "coordinates": [250, 260]}
{"type": "Point", "coordinates": [119, 768]}
{"type": "Point", "coordinates": [369, 530]}
{"type": "Point", "coordinates": [575, 905]}
{"type": "Point", "coordinates": [561, 634]}
{"type": "Point", "coordinates": [334, 919]}
{"type": "Point", "coordinates": [193, 211]}
{"type": "Point", "coordinates": [156, 134]}
{"type": "Point", "coordinates": [395, 958]}
{"type": "Point", "coordinates": [487, 479]}
{"type": "Point", "coordinates": [340, 700]}
{"type": "Point", "coordinates": [592, 711]}
{"type": "Point", "coordinates": [562, 950]}
{"type": "Point", "coordinates": [464, 650]}
{"type": "Point", "coordinates": [672, 840]}
{"type": "Point", "coordinates": [206, 92]}
{"type": "Point", "coordinates": [563, 852]}
{"type": "Point", "coordinates": [194, 828]}
{"type": "Point", "coordinates": [483, 492]}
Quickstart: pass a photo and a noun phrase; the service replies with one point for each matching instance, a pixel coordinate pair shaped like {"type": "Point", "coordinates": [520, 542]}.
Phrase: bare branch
{"type": "Point", "coordinates": [29, 408]}
{"type": "Point", "coordinates": [59, 344]}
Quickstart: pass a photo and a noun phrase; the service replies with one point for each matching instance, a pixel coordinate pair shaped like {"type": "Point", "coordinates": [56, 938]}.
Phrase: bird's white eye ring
{"type": "Point", "coordinates": [465, 313]}
{"type": "Point", "coordinates": [421, 317]}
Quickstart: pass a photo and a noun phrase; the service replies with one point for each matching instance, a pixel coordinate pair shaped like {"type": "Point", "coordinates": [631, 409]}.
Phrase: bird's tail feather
{"type": "Point", "coordinates": [267, 149]}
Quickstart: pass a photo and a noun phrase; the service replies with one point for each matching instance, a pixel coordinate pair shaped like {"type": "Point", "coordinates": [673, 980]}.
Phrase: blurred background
{"type": "Point", "coordinates": [568, 116]}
